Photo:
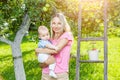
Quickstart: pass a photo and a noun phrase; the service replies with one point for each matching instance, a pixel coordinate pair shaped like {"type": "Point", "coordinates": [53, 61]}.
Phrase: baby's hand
{"type": "Point", "coordinates": [56, 48]}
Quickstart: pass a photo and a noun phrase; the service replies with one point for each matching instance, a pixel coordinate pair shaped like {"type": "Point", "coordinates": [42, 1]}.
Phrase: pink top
{"type": "Point", "coordinates": [62, 58]}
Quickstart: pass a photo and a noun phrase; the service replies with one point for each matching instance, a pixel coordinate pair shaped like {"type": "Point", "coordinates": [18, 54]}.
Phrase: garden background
{"type": "Point", "coordinates": [40, 11]}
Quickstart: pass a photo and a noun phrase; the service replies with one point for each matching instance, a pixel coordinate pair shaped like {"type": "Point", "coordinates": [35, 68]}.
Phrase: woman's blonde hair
{"type": "Point", "coordinates": [64, 22]}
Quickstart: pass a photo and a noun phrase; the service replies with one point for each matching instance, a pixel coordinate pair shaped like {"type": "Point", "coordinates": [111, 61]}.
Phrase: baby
{"type": "Point", "coordinates": [44, 41]}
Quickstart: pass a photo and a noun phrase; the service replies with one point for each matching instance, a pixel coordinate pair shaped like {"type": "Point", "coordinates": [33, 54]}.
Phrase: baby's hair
{"type": "Point", "coordinates": [42, 28]}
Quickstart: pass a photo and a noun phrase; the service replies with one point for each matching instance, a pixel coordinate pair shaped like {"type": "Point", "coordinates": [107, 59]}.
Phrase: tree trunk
{"type": "Point", "coordinates": [16, 51]}
{"type": "Point", "coordinates": [18, 63]}
{"type": "Point", "coordinates": [17, 55]}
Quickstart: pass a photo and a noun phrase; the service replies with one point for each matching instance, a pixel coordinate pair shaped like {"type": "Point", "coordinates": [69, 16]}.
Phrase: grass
{"type": "Point", "coordinates": [88, 71]}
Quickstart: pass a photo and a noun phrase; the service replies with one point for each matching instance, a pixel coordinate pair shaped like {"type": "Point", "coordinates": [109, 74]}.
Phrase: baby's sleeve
{"type": "Point", "coordinates": [42, 44]}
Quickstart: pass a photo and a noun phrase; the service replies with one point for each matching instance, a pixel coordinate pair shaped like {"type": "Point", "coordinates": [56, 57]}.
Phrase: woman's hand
{"type": "Point", "coordinates": [49, 61]}
{"type": "Point", "coordinates": [43, 65]}
{"type": "Point", "coordinates": [37, 50]}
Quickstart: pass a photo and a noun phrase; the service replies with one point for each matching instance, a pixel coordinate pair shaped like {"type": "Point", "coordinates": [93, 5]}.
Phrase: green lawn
{"type": "Point", "coordinates": [91, 71]}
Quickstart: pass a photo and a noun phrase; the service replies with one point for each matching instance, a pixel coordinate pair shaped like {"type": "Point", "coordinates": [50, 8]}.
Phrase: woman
{"type": "Point", "coordinates": [62, 38]}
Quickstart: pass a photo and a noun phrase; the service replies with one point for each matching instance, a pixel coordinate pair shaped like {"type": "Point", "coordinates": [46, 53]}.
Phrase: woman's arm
{"type": "Point", "coordinates": [62, 43]}
{"type": "Point", "coordinates": [50, 60]}
{"type": "Point", "coordinates": [59, 46]}
{"type": "Point", "coordinates": [45, 50]}
{"type": "Point", "coordinates": [51, 46]}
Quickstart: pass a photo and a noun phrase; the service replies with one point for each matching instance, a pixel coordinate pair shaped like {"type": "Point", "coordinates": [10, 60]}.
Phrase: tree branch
{"type": "Point", "coordinates": [5, 40]}
{"type": "Point", "coordinates": [23, 28]}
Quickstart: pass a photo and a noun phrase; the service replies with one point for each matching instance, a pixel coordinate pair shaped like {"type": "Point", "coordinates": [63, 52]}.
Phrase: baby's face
{"type": "Point", "coordinates": [44, 35]}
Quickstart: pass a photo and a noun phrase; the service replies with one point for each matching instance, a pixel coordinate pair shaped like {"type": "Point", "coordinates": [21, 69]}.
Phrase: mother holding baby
{"type": "Point", "coordinates": [62, 38]}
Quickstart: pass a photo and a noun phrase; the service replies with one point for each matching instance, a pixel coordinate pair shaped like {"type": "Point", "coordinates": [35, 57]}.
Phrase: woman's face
{"type": "Point", "coordinates": [57, 25]}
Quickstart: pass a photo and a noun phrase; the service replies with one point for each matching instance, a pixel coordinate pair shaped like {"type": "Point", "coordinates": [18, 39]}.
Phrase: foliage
{"type": "Point", "coordinates": [11, 16]}
{"type": "Point", "coordinates": [92, 15]}
{"type": "Point", "coordinates": [40, 12]}
{"type": "Point", "coordinates": [12, 12]}
{"type": "Point", "coordinates": [114, 16]}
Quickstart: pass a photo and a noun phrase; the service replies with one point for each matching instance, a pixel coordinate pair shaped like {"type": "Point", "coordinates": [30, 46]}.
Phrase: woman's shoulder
{"type": "Point", "coordinates": [67, 33]}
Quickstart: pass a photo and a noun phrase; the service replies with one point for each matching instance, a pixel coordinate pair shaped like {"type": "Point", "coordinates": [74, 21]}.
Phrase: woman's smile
{"type": "Point", "coordinates": [57, 25]}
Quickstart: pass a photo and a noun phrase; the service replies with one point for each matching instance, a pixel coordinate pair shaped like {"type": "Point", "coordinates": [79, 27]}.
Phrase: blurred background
{"type": "Point", "coordinates": [40, 11]}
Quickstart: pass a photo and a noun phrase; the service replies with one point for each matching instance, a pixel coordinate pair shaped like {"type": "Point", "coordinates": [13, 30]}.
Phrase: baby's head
{"type": "Point", "coordinates": [43, 33]}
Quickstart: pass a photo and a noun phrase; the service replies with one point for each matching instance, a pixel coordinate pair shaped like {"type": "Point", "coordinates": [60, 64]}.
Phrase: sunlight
{"type": "Point", "coordinates": [92, 4]}
{"type": "Point", "coordinates": [91, 0]}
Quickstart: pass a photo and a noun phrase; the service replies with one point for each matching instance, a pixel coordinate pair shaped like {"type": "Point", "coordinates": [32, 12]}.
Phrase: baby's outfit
{"type": "Point", "coordinates": [42, 57]}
